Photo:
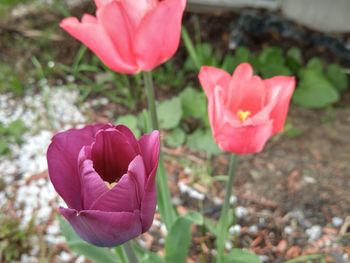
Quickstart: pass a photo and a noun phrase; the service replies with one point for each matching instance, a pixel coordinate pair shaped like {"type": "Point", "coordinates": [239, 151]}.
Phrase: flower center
{"type": "Point", "coordinates": [110, 185]}
{"type": "Point", "coordinates": [243, 115]}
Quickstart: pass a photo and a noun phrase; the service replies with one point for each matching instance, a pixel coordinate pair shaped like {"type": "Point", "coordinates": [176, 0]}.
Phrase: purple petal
{"type": "Point", "coordinates": [62, 157]}
{"type": "Point", "coordinates": [128, 193]}
{"type": "Point", "coordinates": [92, 184]}
{"type": "Point", "coordinates": [129, 136]}
{"type": "Point", "coordinates": [150, 146]}
{"type": "Point", "coordinates": [111, 154]}
{"type": "Point", "coordinates": [104, 229]}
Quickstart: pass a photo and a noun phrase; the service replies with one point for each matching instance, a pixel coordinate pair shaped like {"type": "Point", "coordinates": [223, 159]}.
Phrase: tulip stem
{"type": "Point", "coordinates": [165, 206]}
{"type": "Point", "coordinates": [130, 254]}
{"type": "Point", "coordinates": [223, 221]}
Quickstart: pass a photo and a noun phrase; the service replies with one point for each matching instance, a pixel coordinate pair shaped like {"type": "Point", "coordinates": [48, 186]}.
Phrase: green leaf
{"type": "Point", "coordinates": [80, 247]}
{"type": "Point", "coordinates": [177, 242]}
{"type": "Point", "coordinates": [241, 256]}
{"type": "Point", "coordinates": [314, 90]}
{"type": "Point", "coordinates": [146, 256]}
{"type": "Point", "coordinates": [202, 140]}
{"type": "Point", "coordinates": [241, 55]}
{"type": "Point", "coordinates": [315, 64]}
{"type": "Point", "coordinates": [337, 77]}
{"type": "Point", "coordinates": [175, 138]}
{"type": "Point", "coordinates": [131, 121]}
{"type": "Point", "coordinates": [294, 59]}
{"type": "Point", "coordinates": [16, 129]}
{"type": "Point", "coordinates": [3, 147]}
{"type": "Point", "coordinates": [195, 217]}
{"type": "Point", "coordinates": [194, 103]}
{"type": "Point", "coordinates": [271, 63]}
{"type": "Point", "coordinates": [169, 113]}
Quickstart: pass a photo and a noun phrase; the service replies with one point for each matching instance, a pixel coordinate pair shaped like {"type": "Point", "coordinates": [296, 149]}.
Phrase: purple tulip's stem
{"type": "Point", "coordinates": [130, 254]}
{"type": "Point", "coordinates": [165, 206]}
{"type": "Point", "coordinates": [223, 224]}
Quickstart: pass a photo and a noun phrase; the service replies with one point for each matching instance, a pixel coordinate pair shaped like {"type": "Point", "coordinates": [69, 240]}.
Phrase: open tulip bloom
{"type": "Point", "coordinates": [107, 179]}
{"type": "Point", "coordinates": [244, 110]}
{"type": "Point", "coordinates": [128, 35]}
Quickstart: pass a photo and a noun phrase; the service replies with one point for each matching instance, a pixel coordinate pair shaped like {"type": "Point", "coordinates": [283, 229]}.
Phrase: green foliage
{"type": "Point", "coordinates": [180, 237]}
{"type": "Point", "coordinates": [175, 137]}
{"type": "Point", "coordinates": [132, 122]}
{"type": "Point", "coordinates": [14, 240]}
{"type": "Point", "coordinates": [314, 90]}
{"type": "Point", "coordinates": [80, 247]}
{"type": "Point", "coordinates": [241, 256]}
{"type": "Point", "coordinates": [146, 256]}
{"type": "Point", "coordinates": [241, 55]}
{"type": "Point", "coordinates": [271, 62]}
{"type": "Point", "coordinates": [9, 81]}
{"type": "Point", "coordinates": [13, 134]}
{"type": "Point", "coordinates": [337, 77]}
{"type": "Point", "coordinates": [194, 103]}
{"type": "Point", "coordinates": [202, 140]}
{"type": "Point", "coordinates": [169, 113]}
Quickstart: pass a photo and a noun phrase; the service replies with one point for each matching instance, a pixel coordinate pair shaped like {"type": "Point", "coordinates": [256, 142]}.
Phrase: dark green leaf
{"type": "Point", "coordinates": [271, 63]}
{"type": "Point", "coordinates": [240, 256]}
{"type": "Point", "coordinates": [241, 55]}
{"type": "Point", "coordinates": [294, 59]}
{"type": "Point", "coordinates": [337, 77]}
{"type": "Point", "coordinates": [316, 64]}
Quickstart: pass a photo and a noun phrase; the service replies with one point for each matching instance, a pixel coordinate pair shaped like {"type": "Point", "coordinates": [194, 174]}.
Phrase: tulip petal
{"type": "Point", "coordinates": [95, 38]}
{"type": "Point", "coordinates": [138, 9]}
{"type": "Point", "coordinates": [62, 156]}
{"type": "Point", "coordinates": [244, 139]}
{"type": "Point", "coordinates": [127, 194]}
{"type": "Point", "coordinates": [92, 184]}
{"type": "Point", "coordinates": [210, 77]}
{"type": "Point", "coordinates": [158, 35]}
{"type": "Point", "coordinates": [129, 136]}
{"type": "Point", "coordinates": [104, 229]}
{"type": "Point", "coordinates": [114, 20]}
{"type": "Point", "coordinates": [111, 154]}
{"type": "Point", "coordinates": [280, 88]}
{"type": "Point", "coordinates": [100, 3]}
{"type": "Point", "coordinates": [150, 147]}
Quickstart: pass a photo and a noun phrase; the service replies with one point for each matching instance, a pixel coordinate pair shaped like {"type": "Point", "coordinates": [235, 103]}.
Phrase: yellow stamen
{"type": "Point", "coordinates": [243, 115]}
{"type": "Point", "coordinates": [110, 185]}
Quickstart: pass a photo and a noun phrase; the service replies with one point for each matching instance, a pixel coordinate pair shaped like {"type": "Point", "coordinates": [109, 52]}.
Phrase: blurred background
{"type": "Point", "coordinates": [292, 199]}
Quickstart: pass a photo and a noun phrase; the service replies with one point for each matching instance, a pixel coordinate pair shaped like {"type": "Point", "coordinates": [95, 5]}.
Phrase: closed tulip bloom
{"type": "Point", "coordinates": [244, 110]}
{"type": "Point", "coordinates": [107, 179]}
{"type": "Point", "coordinates": [130, 35]}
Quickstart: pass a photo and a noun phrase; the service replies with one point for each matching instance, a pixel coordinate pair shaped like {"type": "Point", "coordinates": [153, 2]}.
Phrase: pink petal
{"type": "Point", "coordinates": [100, 3]}
{"type": "Point", "coordinates": [158, 35]}
{"type": "Point", "coordinates": [138, 9]}
{"type": "Point", "coordinates": [111, 154]}
{"type": "Point", "coordinates": [95, 38]}
{"type": "Point", "coordinates": [104, 229]}
{"type": "Point", "coordinates": [279, 88]}
{"type": "Point", "coordinates": [128, 193]}
{"type": "Point", "coordinates": [245, 139]}
{"type": "Point", "coordinates": [247, 92]}
{"type": "Point", "coordinates": [130, 137]}
{"type": "Point", "coordinates": [62, 158]}
{"type": "Point", "coordinates": [114, 20]}
{"type": "Point", "coordinates": [211, 77]}
{"type": "Point", "coordinates": [150, 147]}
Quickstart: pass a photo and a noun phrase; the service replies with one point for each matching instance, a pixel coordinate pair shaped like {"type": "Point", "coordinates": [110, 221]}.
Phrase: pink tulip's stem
{"type": "Point", "coordinates": [130, 254]}
{"type": "Point", "coordinates": [223, 221]}
{"type": "Point", "coordinates": [165, 206]}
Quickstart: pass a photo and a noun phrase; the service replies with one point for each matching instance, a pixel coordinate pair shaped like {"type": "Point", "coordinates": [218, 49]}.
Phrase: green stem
{"type": "Point", "coordinates": [223, 224]}
{"type": "Point", "coordinates": [165, 206]}
{"type": "Point", "coordinates": [130, 254]}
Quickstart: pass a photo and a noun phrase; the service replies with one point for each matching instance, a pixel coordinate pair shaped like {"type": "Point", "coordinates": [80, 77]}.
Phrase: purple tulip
{"type": "Point", "coordinates": [107, 179]}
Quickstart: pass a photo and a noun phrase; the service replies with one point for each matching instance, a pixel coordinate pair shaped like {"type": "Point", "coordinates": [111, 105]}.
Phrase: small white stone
{"type": "Point", "coordinates": [253, 229]}
{"type": "Point", "coordinates": [228, 245]}
{"type": "Point", "coordinates": [233, 199]}
{"type": "Point", "coordinates": [235, 230]}
{"type": "Point", "coordinates": [241, 212]}
{"type": "Point", "coordinates": [314, 232]}
{"type": "Point", "coordinates": [337, 221]}
{"type": "Point", "coordinates": [288, 230]}
{"type": "Point", "coordinates": [64, 256]}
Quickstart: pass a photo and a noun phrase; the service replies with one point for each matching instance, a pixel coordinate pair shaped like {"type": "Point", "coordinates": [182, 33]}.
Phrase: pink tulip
{"type": "Point", "coordinates": [130, 35]}
{"type": "Point", "coordinates": [244, 110]}
{"type": "Point", "coordinates": [107, 179]}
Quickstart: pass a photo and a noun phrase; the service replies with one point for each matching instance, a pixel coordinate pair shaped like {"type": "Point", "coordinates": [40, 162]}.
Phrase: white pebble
{"type": "Point", "coordinates": [241, 212]}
